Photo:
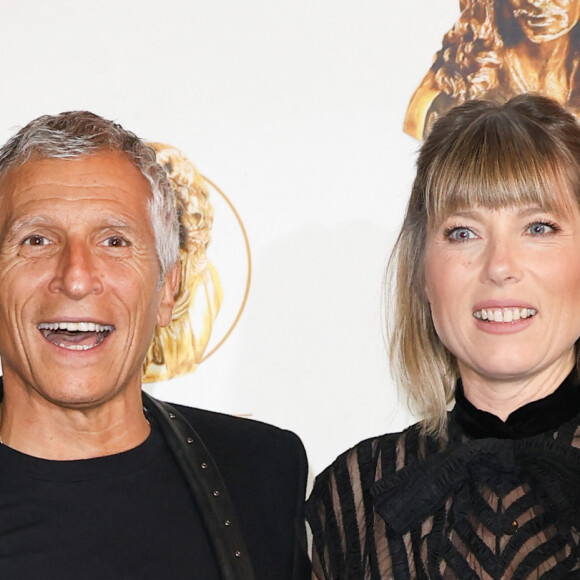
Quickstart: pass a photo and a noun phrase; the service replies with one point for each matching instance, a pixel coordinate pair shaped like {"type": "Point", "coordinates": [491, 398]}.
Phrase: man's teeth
{"type": "Point", "coordinates": [75, 326]}
{"type": "Point", "coordinates": [77, 346]}
{"type": "Point", "coordinates": [504, 314]}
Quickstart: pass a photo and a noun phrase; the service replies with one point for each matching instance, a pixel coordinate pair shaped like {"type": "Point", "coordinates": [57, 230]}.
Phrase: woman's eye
{"type": "Point", "coordinates": [542, 228]}
{"type": "Point", "coordinates": [116, 242]}
{"type": "Point", "coordinates": [456, 234]}
{"type": "Point", "coordinates": [36, 240]}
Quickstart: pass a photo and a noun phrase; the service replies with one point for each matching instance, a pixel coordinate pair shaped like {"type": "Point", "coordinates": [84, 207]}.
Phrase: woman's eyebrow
{"type": "Point", "coordinates": [531, 210]}
{"type": "Point", "coordinates": [469, 213]}
{"type": "Point", "coordinates": [476, 212]}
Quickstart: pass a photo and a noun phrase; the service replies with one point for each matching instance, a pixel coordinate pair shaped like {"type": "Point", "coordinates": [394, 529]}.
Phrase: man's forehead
{"type": "Point", "coordinates": [109, 170]}
{"type": "Point", "coordinates": [101, 187]}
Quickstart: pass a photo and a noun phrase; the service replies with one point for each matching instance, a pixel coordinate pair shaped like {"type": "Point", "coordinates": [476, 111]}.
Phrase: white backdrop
{"type": "Point", "coordinates": [295, 110]}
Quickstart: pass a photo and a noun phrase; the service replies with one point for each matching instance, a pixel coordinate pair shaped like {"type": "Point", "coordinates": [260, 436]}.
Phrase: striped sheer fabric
{"type": "Point", "coordinates": [410, 506]}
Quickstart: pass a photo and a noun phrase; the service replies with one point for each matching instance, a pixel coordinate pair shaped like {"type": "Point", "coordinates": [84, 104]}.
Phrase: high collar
{"type": "Point", "coordinates": [533, 418]}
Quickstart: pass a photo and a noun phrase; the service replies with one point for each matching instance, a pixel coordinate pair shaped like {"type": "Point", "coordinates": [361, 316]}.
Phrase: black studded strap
{"type": "Point", "coordinates": [208, 488]}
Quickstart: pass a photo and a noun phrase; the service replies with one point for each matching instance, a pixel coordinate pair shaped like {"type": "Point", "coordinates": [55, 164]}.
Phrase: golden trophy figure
{"type": "Point", "coordinates": [498, 49]}
{"type": "Point", "coordinates": [178, 348]}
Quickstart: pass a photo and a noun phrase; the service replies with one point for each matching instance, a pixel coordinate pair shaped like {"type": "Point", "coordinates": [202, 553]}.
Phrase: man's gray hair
{"type": "Point", "coordinates": [79, 133]}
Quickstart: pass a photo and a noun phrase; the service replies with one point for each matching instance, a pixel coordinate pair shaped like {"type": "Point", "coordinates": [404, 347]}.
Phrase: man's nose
{"type": "Point", "coordinates": [77, 274]}
{"type": "Point", "coordinates": [500, 263]}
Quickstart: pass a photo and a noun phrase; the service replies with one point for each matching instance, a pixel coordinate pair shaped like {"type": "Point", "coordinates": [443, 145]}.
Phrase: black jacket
{"type": "Point", "coordinates": [258, 534]}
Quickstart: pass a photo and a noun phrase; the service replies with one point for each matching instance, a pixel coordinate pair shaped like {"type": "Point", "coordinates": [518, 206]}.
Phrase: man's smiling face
{"type": "Point", "coordinates": [79, 278]}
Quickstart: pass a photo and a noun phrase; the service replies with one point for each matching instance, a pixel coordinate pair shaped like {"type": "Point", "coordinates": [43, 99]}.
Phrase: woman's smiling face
{"type": "Point", "coordinates": [504, 290]}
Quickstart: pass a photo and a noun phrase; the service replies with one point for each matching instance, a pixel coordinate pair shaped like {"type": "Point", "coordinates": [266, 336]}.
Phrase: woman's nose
{"type": "Point", "coordinates": [77, 274]}
{"type": "Point", "coordinates": [500, 263]}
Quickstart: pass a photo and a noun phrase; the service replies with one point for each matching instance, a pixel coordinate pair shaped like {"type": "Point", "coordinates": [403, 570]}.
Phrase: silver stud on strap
{"type": "Point", "coordinates": [190, 440]}
{"type": "Point", "coordinates": [204, 465]}
{"type": "Point", "coordinates": [216, 493]}
{"type": "Point", "coordinates": [172, 415]}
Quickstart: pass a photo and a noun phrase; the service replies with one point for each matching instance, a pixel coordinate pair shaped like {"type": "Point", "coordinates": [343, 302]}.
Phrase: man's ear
{"type": "Point", "coordinates": [168, 293]}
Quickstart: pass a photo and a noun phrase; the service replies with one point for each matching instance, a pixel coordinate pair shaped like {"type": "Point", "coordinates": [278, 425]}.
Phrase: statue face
{"type": "Point", "coordinates": [545, 20]}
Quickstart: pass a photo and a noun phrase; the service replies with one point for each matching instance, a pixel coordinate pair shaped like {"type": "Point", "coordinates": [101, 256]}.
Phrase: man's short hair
{"type": "Point", "coordinates": [80, 133]}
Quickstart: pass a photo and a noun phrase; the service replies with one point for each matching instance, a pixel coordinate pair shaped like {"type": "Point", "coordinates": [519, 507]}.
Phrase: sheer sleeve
{"type": "Point", "coordinates": [323, 523]}
{"type": "Point", "coordinates": [341, 516]}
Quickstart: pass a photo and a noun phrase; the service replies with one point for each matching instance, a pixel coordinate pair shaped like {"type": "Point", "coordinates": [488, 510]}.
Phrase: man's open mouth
{"type": "Point", "coordinates": [75, 335]}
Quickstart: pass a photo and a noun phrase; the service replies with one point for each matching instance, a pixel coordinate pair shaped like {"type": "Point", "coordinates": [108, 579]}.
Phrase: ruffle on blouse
{"type": "Point", "coordinates": [406, 498]}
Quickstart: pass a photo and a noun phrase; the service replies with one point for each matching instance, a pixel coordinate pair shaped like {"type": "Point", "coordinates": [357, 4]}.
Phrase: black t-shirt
{"type": "Point", "coordinates": [129, 515]}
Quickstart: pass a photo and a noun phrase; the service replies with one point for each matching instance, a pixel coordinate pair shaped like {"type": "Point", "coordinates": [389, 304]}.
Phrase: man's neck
{"type": "Point", "coordinates": [40, 428]}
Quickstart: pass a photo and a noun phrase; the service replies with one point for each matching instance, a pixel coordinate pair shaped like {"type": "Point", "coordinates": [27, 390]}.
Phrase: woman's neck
{"type": "Point", "coordinates": [502, 396]}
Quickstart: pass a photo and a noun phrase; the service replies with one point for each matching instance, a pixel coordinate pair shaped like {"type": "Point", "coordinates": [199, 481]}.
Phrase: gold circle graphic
{"type": "Point", "coordinates": [179, 348]}
{"type": "Point", "coordinates": [248, 281]}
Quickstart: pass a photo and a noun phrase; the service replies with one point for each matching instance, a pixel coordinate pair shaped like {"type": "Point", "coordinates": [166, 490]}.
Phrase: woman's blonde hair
{"type": "Point", "coordinates": [523, 152]}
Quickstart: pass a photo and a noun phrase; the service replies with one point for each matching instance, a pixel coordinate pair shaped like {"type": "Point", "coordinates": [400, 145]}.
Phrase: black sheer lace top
{"type": "Point", "coordinates": [488, 499]}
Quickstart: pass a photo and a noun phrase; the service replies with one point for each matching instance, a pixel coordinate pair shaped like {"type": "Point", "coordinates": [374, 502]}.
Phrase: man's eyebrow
{"type": "Point", "coordinates": [21, 223]}
{"type": "Point", "coordinates": [116, 222]}
{"type": "Point", "coordinates": [40, 220]}
{"type": "Point", "coordinates": [130, 227]}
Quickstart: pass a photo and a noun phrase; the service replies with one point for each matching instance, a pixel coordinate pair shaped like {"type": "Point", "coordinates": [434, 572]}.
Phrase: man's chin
{"type": "Point", "coordinates": [81, 395]}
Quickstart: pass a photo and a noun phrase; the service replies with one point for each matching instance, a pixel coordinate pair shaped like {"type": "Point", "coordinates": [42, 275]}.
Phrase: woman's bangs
{"type": "Point", "coordinates": [508, 174]}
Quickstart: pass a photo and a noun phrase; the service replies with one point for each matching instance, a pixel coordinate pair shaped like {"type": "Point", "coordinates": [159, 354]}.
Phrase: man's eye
{"type": "Point", "coordinates": [116, 242]}
{"type": "Point", "coordinates": [36, 240]}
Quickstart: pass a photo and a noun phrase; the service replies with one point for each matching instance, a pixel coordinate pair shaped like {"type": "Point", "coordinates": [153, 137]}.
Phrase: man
{"type": "Point", "coordinates": [99, 480]}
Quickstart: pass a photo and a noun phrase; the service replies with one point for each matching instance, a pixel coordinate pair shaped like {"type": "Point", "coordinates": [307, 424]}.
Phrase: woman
{"type": "Point", "coordinates": [490, 247]}
{"type": "Point", "coordinates": [501, 48]}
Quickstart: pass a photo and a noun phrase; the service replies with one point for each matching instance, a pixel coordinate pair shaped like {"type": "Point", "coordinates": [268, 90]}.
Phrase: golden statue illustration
{"type": "Point", "coordinates": [178, 348]}
{"type": "Point", "coordinates": [498, 49]}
